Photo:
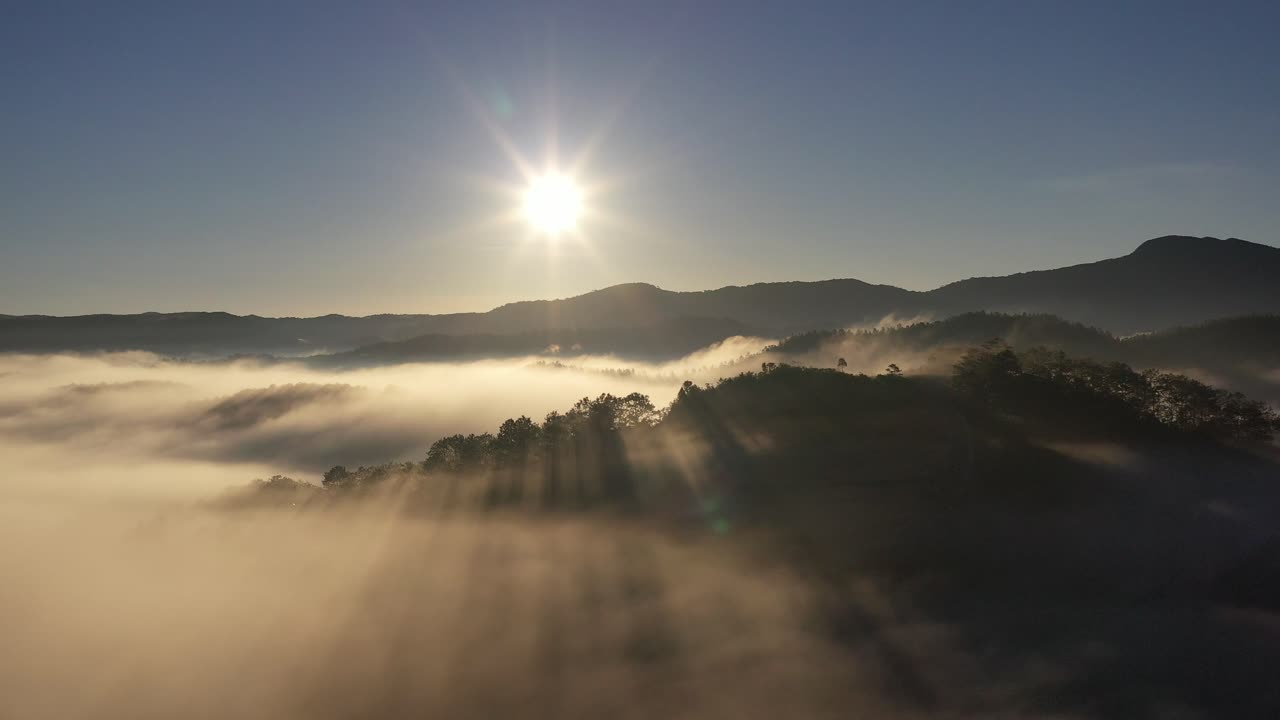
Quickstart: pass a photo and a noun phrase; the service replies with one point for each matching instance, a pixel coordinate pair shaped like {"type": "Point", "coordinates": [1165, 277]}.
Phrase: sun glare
{"type": "Point", "coordinates": [553, 204]}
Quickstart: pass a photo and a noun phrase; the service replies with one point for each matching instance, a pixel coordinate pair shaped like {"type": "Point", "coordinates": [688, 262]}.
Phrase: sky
{"type": "Point", "coordinates": [309, 158]}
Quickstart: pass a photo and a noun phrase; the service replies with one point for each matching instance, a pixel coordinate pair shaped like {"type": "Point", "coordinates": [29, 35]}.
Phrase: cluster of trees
{"type": "Point", "coordinates": [366, 476]}
{"type": "Point", "coordinates": [559, 453]}
{"type": "Point", "coordinates": [521, 441]}
{"type": "Point", "coordinates": [784, 397]}
{"type": "Point", "coordinates": [998, 375]}
{"type": "Point", "coordinates": [608, 372]}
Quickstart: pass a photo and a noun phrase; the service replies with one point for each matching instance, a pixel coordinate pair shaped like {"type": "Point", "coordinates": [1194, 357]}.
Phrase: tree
{"type": "Point", "coordinates": [1183, 402]}
{"type": "Point", "coordinates": [280, 483]}
{"type": "Point", "coordinates": [556, 429]}
{"type": "Point", "coordinates": [893, 370]}
{"type": "Point", "coordinates": [335, 476]}
{"type": "Point", "coordinates": [1246, 419]}
{"type": "Point", "coordinates": [987, 370]}
{"type": "Point", "coordinates": [610, 413]}
{"type": "Point", "coordinates": [635, 410]}
{"type": "Point", "coordinates": [841, 364]}
{"type": "Point", "coordinates": [456, 453]}
{"type": "Point", "coordinates": [516, 440]}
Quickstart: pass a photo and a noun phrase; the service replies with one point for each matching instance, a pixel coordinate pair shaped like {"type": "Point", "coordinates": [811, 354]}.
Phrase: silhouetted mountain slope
{"type": "Point", "coordinates": [1253, 340]}
{"type": "Point", "coordinates": [1168, 281]}
{"type": "Point", "coordinates": [657, 341]}
{"type": "Point", "coordinates": [775, 307]}
{"type": "Point", "coordinates": [195, 333]}
{"type": "Point", "coordinates": [960, 331]}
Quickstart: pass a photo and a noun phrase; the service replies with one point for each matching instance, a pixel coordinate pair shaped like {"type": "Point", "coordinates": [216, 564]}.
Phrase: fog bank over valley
{"type": "Point", "coordinates": [124, 420]}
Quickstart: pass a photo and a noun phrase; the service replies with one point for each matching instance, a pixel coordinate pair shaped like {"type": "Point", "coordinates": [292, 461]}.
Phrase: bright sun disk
{"type": "Point", "coordinates": [552, 204]}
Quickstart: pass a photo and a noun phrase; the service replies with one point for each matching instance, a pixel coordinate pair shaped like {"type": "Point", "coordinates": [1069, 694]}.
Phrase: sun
{"type": "Point", "coordinates": [553, 204]}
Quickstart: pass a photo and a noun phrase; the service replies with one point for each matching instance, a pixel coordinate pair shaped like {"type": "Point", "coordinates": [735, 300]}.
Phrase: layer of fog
{"type": "Point", "coordinates": [113, 613]}
{"type": "Point", "coordinates": [104, 421]}
{"type": "Point", "coordinates": [705, 365]}
{"type": "Point", "coordinates": [123, 599]}
{"type": "Point", "coordinates": [125, 595]}
{"type": "Point", "coordinates": [862, 352]}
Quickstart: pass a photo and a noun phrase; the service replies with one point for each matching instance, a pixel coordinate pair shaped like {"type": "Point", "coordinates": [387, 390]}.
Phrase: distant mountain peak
{"type": "Point", "coordinates": [1184, 244]}
{"type": "Point", "coordinates": [625, 288]}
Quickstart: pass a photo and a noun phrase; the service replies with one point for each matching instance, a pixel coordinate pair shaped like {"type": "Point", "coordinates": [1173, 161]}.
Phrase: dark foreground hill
{"type": "Point", "coordinates": [1036, 538]}
{"type": "Point", "coordinates": [1173, 280]}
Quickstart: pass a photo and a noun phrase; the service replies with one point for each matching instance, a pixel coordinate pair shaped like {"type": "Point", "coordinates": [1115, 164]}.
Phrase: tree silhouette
{"type": "Point", "coordinates": [985, 371]}
{"type": "Point", "coordinates": [1042, 381]}
{"type": "Point", "coordinates": [517, 441]}
{"type": "Point", "coordinates": [457, 453]}
{"type": "Point", "coordinates": [335, 476]}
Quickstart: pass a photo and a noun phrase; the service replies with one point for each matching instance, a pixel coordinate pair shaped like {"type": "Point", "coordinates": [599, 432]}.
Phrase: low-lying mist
{"type": "Point", "coordinates": [119, 613]}
{"type": "Point", "coordinates": [119, 422]}
{"type": "Point", "coordinates": [791, 543]}
{"type": "Point", "coordinates": [129, 594]}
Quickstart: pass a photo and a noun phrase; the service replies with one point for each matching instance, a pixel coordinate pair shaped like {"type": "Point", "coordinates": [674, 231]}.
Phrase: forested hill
{"type": "Point", "coordinates": [1240, 353]}
{"type": "Point", "coordinates": [1034, 503]}
{"type": "Point", "coordinates": [1253, 339]}
{"type": "Point", "coordinates": [754, 426]}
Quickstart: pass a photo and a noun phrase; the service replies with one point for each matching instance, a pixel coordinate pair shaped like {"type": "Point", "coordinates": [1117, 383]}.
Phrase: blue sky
{"type": "Point", "coordinates": [307, 158]}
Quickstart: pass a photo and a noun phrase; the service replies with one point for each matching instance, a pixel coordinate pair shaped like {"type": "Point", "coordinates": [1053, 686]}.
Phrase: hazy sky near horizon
{"type": "Point", "coordinates": [301, 158]}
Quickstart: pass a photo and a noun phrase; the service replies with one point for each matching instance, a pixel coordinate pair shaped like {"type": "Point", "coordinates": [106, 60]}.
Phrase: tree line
{"type": "Point", "coordinates": [574, 454]}
{"type": "Point", "coordinates": [580, 455]}
{"type": "Point", "coordinates": [1053, 380]}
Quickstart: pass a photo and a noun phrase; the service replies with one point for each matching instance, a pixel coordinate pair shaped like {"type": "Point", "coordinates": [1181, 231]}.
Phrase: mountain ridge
{"type": "Point", "coordinates": [1165, 281]}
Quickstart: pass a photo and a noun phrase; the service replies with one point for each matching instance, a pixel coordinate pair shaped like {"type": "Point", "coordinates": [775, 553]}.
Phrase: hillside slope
{"type": "Point", "coordinates": [1167, 281]}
